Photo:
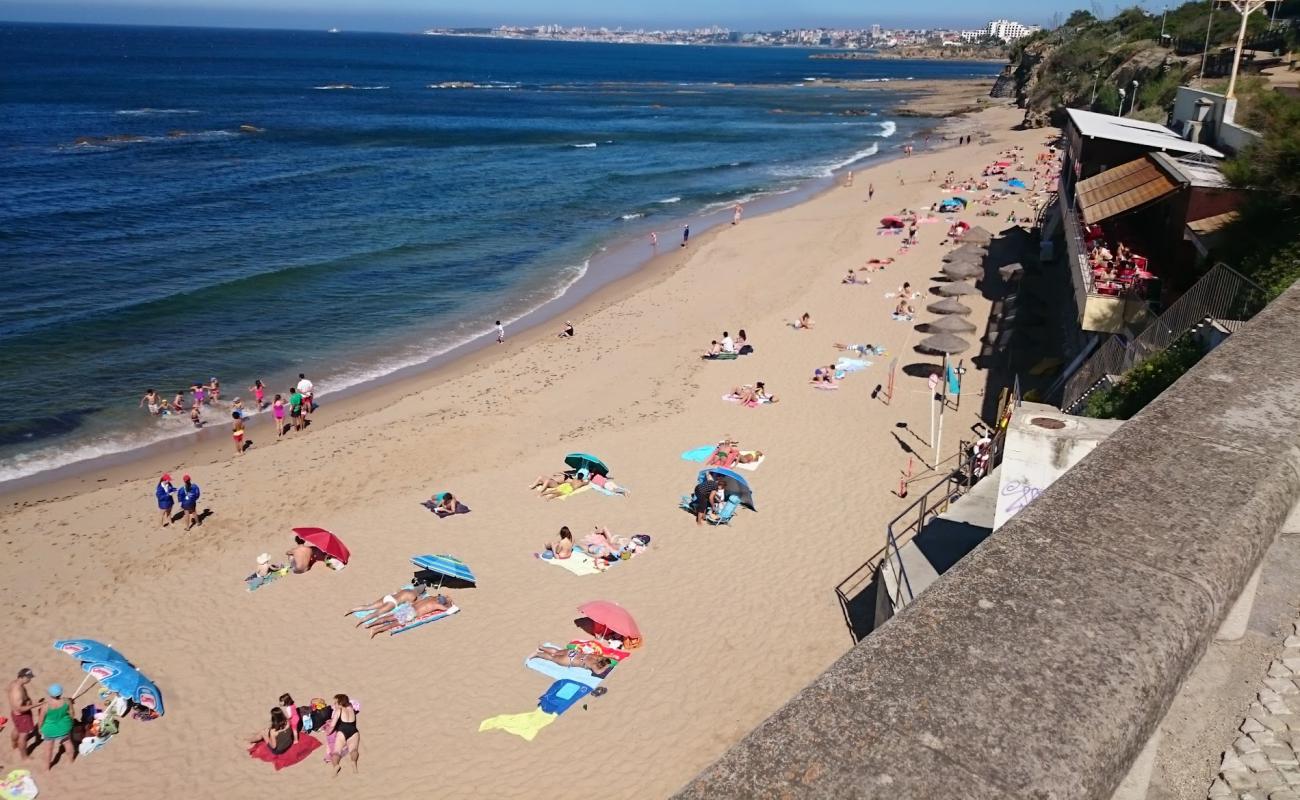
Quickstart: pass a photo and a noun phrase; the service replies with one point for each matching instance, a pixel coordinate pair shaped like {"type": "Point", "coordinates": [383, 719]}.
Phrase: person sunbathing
{"type": "Point", "coordinates": [549, 482]}
{"type": "Point", "coordinates": [878, 264]}
{"type": "Point", "coordinates": [804, 323]}
{"type": "Point", "coordinates": [852, 278]}
{"type": "Point", "coordinates": [824, 376]}
{"type": "Point", "coordinates": [761, 395]}
{"type": "Point", "coordinates": [864, 349]}
{"type": "Point", "coordinates": [565, 488]}
{"type": "Point", "coordinates": [302, 556]}
{"type": "Point", "coordinates": [714, 348]}
{"type": "Point", "coordinates": [574, 658]}
{"type": "Point", "coordinates": [444, 503]}
{"type": "Point", "coordinates": [904, 310]}
{"type": "Point", "coordinates": [562, 547]}
{"type": "Point", "coordinates": [409, 612]}
{"type": "Point", "coordinates": [724, 455]}
{"type": "Point", "coordinates": [386, 604]}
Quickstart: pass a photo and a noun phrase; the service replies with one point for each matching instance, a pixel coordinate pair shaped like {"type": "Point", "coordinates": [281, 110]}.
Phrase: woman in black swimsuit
{"type": "Point", "coordinates": [280, 736]}
{"type": "Point", "coordinates": [345, 725]}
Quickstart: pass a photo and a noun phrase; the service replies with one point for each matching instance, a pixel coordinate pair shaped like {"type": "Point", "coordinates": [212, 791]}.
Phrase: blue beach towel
{"type": "Point", "coordinates": [562, 696]}
{"type": "Point", "coordinates": [700, 454]}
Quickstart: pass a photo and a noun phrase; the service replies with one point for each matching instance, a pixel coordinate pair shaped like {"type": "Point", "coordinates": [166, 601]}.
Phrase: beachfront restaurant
{"type": "Point", "coordinates": [1132, 239]}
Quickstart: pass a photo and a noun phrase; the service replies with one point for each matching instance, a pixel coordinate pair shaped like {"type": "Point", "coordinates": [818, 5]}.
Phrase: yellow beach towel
{"type": "Point", "coordinates": [525, 726]}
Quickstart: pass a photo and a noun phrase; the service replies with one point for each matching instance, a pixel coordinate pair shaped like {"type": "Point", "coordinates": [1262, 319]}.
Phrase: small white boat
{"type": "Point", "coordinates": [333, 30]}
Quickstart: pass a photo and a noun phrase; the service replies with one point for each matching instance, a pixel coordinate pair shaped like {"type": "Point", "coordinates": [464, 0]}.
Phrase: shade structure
{"type": "Point", "coordinates": [324, 541]}
{"type": "Point", "coordinates": [956, 289]}
{"type": "Point", "coordinates": [445, 565]}
{"type": "Point", "coordinates": [946, 343]}
{"type": "Point", "coordinates": [610, 615]}
{"type": "Point", "coordinates": [586, 461]}
{"type": "Point", "coordinates": [960, 270]}
{"type": "Point", "coordinates": [732, 483]}
{"type": "Point", "coordinates": [978, 235]}
{"type": "Point", "coordinates": [1010, 272]}
{"type": "Point", "coordinates": [950, 305]}
{"type": "Point", "coordinates": [88, 650]}
{"type": "Point", "coordinates": [950, 324]}
{"type": "Point", "coordinates": [113, 671]}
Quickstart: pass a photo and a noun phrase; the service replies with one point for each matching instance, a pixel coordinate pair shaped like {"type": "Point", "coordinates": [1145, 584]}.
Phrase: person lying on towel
{"type": "Point", "coordinates": [409, 612]}
{"type": "Point", "coordinates": [574, 658]}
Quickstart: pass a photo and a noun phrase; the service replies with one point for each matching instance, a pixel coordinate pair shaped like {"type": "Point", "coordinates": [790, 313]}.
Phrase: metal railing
{"type": "Point", "coordinates": [1221, 294]}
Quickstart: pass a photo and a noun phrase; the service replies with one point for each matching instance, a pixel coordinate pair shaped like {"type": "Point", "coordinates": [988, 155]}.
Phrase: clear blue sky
{"type": "Point", "coordinates": [408, 15]}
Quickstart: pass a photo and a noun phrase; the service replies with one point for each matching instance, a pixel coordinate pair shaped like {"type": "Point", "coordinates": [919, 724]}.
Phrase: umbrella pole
{"type": "Point", "coordinates": [943, 403]}
{"type": "Point", "coordinates": [81, 686]}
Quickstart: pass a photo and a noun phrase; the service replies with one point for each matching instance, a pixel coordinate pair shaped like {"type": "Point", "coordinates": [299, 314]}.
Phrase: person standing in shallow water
{"type": "Point", "coordinates": [686, 234]}
{"type": "Point", "coordinates": [501, 332]}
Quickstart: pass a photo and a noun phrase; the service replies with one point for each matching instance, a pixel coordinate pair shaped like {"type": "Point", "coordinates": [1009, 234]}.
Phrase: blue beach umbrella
{"type": "Point", "coordinates": [447, 566]}
{"type": "Point", "coordinates": [89, 650]}
{"type": "Point", "coordinates": [587, 462]}
{"type": "Point", "coordinates": [732, 483]}
{"type": "Point", "coordinates": [111, 670]}
{"type": "Point", "coordinates": [1016, 182]}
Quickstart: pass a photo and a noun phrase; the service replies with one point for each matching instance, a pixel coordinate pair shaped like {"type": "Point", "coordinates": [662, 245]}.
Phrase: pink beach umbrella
{"type": "Point", "coordinates": [612, 616]}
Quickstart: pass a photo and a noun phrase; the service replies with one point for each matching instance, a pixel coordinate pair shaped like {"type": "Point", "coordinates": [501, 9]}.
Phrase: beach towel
{"type": "Point", "coordinates": [722, 357]}
{"type": "Point", "coordinates": [751, 465]}
{"type": "Point", "coordinates": [18, 785]}
{"type": "Point", "coordinates": [526, 726]}
{"type": "Point", "coordinates": [826, 387]}
{"type": "Point", "coordinates": [579, 563]}
{"type": "Point", "coordinates": [562, 696]}
{"type": "Point", "coordinates": [594, 646]}
{"type": "Point", "coordinates": [845, 364]}
{"type": "Point", "coordinates": [254, 583]}
{"type": "Point", "coordinates": [425, 620]}
{"type": "Point", "coordinates": [731, 398]}
{"type": "Point", "coordinates": [556, 672]}
{"type": "Point", "coordinates": [296, 753]}
{"type": "Point", "coordinates": [579, 490]}
{"type": "Point", "coordinates": [700, 453]}
{"type": "Point", "coordinates": [598, 482]}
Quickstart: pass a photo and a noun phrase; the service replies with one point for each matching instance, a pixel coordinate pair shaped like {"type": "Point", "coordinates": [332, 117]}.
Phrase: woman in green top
{"type": "Point", "coordinates": [295, 408]}
{"type": "Point", "coordinates": [56, 726]}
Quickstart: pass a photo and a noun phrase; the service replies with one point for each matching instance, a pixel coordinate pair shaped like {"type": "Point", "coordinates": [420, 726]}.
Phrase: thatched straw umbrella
{"type": "Point", "coordinates": [956, 289]}
{"type": "Point", "coordinates": [949, 306]}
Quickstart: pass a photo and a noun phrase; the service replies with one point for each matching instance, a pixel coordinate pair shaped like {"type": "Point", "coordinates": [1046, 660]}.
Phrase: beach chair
{"type": "Point", "coordinates": [728, 511]}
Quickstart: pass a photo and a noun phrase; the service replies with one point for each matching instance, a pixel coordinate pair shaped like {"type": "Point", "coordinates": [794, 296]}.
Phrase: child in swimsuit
{"type": "Point", "coordinates": [237, 432]}
{"type": "Point", "coordinates": [277, 411]}
{"type": "Point", "coordinates": [259, 392]}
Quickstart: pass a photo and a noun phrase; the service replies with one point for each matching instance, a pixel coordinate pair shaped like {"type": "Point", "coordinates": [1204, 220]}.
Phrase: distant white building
{"type": "Point", "coordinates": [1008, 30]}
{"type": "Point", "coordinates": [973, 36]}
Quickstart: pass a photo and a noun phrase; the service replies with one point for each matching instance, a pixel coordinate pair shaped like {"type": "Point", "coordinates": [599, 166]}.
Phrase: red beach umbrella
{"type": "Point", "coordinates": [324, 541]}
{"type": "Point", "coordinates": [612, 616]}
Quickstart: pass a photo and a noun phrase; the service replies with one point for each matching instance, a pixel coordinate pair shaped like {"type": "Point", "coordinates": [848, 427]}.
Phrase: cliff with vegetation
{"type": "Point", "coordinates": [1084, 62]}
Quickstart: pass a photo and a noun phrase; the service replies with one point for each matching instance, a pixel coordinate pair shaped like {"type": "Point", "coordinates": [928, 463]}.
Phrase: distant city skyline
{"type": "Point", "coordinates": [412, 15]}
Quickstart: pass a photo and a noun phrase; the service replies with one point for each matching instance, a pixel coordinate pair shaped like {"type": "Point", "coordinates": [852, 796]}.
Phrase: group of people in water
{"type": "Point", "coordinates": [298, 402]}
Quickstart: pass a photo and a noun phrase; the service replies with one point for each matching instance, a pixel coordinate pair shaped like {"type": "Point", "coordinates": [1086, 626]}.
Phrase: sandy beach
{"type": "Point", "coordinates": [736, 619]}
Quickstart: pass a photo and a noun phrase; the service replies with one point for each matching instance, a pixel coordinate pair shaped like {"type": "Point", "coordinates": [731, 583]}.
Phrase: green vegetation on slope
{"type": "Point", "coordinates": [1144, 383]}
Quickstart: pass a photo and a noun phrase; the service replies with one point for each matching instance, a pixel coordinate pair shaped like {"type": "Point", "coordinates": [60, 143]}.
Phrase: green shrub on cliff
{"type": "Point", "coordinates": [1144, 383]}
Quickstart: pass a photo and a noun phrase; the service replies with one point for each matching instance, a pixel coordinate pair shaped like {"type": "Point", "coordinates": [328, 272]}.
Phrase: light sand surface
{"type": "Point", "coordinates": [736, 619]}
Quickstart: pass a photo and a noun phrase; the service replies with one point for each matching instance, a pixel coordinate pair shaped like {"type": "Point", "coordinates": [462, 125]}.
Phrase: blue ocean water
{"type": "Point", "coordinates": [177, 204]}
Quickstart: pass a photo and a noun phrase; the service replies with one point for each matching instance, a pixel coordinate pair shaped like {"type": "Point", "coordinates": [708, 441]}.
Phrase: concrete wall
{"type": "Point", "coordinates": [1037, 452]}
{"type": "Point", "coordinates": [1042, 663]}
{"type": "Point", "coordinates": [1221, 130]}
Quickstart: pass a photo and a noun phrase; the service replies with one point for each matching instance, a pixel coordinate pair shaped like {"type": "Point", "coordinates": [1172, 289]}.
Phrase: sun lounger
{"type": "Point", "coordinates": [425, 620]}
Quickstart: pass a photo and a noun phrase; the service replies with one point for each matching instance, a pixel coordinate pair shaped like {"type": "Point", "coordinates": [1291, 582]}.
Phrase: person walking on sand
{"type": "Point", "coordinates": [344, 723]}
{"type": "Point", "coordinates": [871, 191]}
{"type": "Point", "coordinates": [20, 713]}
{"type": "Point", "coordinates": [163, 492]}
{"type": "Point", "coordinates": [237, 432]}
{"type": "Point", "coordinates": [654, 240]}
{"type": "Point", "coordinates": [849, 180]}
{"type": "Point", "coordinates": [277, 413]}
{"type": "Point", "coordinates": [686, 234]}
{"type": "Point", "coordinates": [188, 495]}
{"type": "Point", "coordinates": [501, 332]}
{"type": "Point", "coordinates": [735, 215]}
{"type": "Point", "coordinates": [295, 407]}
